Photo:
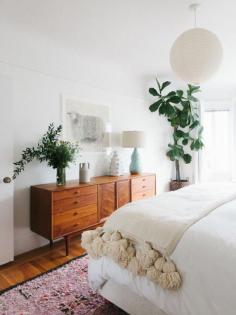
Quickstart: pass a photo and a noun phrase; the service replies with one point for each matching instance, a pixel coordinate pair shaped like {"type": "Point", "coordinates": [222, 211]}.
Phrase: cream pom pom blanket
{"type": "Point", "coordinates": [142, 235]}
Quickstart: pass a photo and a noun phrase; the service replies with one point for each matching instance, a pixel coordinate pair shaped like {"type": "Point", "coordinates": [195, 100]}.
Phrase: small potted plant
{"type": "Point", "coordinates": [181, 111]}
{"type": "Point", "coordinates": [58, 154]}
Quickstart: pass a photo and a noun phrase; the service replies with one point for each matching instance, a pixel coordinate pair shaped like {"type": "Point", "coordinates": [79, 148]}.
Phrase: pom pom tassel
{"type": "Point", "coordinates": [143, 261]}
{"type": "Point", "coordinates": [170, 280]}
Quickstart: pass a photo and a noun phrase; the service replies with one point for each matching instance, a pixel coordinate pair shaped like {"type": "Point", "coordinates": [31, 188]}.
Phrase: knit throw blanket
{"type": "Point", "coordinates": [142, 235]}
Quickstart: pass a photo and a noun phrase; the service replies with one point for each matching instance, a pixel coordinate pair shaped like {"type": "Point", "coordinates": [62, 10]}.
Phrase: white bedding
{"type": "Point", "coordinates": [206, 259]}
{"type": "Point", "coordinates": [163, 220]}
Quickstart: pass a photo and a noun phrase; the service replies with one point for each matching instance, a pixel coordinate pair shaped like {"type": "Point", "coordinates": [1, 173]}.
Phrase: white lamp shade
{"type": "Point", "coordinates": [133, 139]}
{"type": "Point", "coordinates": [196, 55]}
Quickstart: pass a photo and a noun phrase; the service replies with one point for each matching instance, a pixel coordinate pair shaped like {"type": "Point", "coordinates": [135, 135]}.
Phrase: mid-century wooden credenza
{"type": "Point", "coordinates": [61, 211]}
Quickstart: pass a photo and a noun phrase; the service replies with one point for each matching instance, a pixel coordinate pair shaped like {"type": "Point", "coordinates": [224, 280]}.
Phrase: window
{"type": "Point", "coordinates": [217, 155]}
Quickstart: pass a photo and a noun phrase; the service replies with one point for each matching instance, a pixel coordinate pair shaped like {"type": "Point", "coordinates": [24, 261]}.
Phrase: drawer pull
{"type": "Point", "coordinates": [144, 195]}
{"type": "Point", "coordinates": [144, 179]}
{"type": "Point", "coordinates": [76, 192]}
{"type": "Point", "coordinates": [75, 225]}
{"type": "Point", "coordinates": [144, 187]}
{"type": "Point", "coordinates": [75, 213]}
{"type": "Point", "coordinates": [76, 202]}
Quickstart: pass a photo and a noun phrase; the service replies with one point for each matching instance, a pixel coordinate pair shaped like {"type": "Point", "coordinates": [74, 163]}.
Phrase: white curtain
{"type": "Point", "coordinates": [216, 161]}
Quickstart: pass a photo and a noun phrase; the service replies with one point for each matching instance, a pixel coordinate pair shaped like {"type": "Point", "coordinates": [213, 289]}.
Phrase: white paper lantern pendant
{"type": "Point", "coordinates": [196, 54]}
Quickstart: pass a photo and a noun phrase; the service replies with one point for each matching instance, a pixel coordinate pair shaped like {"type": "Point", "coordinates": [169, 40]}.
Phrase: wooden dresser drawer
{"type": "Point", "coordinates": [143, 194]}
{"type": "Point", "coordinates": [63, 205]}
{"type": "Point", "coordinates": [74, 192]}
{"type": "Point", "coordinates": [143, 183]}
{"type": "Point", "coordinates": [106, 197]}
{"type": "Point", "coordinates": [75, 219]}
{"type": "Point", "coordinates": [122, 193]}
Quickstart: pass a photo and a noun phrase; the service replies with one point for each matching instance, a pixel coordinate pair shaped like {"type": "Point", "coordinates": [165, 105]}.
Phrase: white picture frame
{"type": "Point", "coordinates": [84, 122]}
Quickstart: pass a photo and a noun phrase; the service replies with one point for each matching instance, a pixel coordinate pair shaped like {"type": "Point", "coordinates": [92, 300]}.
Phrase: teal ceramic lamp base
{"type": "Point", "coordinates": [134, 139]}
{"type": "Point", "coordinates": [135, 165]}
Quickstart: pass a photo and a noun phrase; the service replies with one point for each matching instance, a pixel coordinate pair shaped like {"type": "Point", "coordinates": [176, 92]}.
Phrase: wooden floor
{"type": "Point", "coordinates": [31, 264]}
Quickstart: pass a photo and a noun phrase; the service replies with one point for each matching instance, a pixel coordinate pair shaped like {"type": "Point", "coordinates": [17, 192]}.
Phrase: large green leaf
{"type": "Point", "coordinates": [165, 84]}
{"type": "Point", "coordinates": [175, 121]}
{"type": "Point", "coordinates": [179, 134]}
{"type": "Point", "coordinates": [184, 119]}
{"type": "Point", "coordinates": [174, 99]}
{"type": "Point", "coordinates": [196, 145]}
{"type": "Point", "coordinates": [153, 92]}
{"type": "Point", "coordinates": [178, 149]}
{"type": "Point", "coordinates": [193, 89]}
{"type": "Point", "coordinates": [201, 144]}
{"type": "Point", "coordinates": [187, 158]}
{"type": "Point", "coordinates": [170, 110]}
{"type": "Point", "coordinates": [192, 146]}
{"type": "Point", "coordinates": [180, 93]}
{"type": "Point", "coordinates": [172, 93]}
{"type": "Point", "coordinates": [171, 155]}
{"type": "Point", "coordinates": [154, 107]}
{"type": "Point", "coordinates": [162, 109]}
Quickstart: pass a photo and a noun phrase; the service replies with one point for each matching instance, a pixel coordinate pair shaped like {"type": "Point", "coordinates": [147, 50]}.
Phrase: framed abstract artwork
{"type": "Point", "coordinates": [85, 123]}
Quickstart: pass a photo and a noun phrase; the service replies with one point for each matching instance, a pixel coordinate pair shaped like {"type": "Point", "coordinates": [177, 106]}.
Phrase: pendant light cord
{"type": "Point", "coordinates": [194, 7]}
{"type": "Point", "coordinates": [195, 17]}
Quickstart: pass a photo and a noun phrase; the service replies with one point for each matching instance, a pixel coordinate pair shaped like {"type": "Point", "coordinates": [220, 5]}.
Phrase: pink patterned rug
{"type": "Point", "coordinates": [62, 291]}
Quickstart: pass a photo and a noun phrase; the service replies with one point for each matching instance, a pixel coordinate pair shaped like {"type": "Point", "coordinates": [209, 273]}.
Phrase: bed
{"type": "Point", "coordinates": [205, 256]}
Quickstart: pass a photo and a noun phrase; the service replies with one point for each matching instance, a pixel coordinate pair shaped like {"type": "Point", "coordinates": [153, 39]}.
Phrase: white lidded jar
{"type": "Point", "coordinates": [84, 172]}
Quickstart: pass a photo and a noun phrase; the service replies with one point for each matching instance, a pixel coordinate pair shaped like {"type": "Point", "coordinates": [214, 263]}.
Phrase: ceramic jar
{"type": "Point", "coordinates": [84, 173]}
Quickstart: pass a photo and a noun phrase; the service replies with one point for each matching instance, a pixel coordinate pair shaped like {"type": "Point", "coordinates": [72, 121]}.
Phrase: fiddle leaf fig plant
{"type": "Point", "coordinates": [181, 110]}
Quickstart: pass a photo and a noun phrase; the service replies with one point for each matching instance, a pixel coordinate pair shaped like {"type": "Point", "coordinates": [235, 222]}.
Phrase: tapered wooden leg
{"type": "Point", "coordinates": [51, 244]}
{"type": "Point", "coordinates": [67, 243]}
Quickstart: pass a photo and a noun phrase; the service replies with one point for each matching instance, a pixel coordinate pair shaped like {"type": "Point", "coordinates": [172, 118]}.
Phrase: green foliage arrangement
{"type": "Point", "coordinates": [180, 109]}
{"type": "Point", "coordinates": [57, 153]}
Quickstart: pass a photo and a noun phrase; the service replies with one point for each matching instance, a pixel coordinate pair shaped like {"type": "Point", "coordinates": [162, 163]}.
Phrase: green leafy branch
{"type": "Point", "coordinates": [49, 149]}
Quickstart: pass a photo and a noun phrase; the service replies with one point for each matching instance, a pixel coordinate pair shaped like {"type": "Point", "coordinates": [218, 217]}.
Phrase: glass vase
{"type": "Point", "coordinates": [61, 176]}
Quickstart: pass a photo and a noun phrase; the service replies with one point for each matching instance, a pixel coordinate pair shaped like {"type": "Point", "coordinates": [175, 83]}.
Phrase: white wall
{"type": "Point", "coordinates": [42, 71]}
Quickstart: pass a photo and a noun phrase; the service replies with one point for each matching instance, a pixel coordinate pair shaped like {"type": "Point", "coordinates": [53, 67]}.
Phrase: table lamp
{"type": "Point", "coordinates": [134, 139]}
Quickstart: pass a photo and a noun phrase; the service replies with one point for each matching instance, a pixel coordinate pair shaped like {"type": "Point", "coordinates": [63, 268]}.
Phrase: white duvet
{"type": "Point", "coordinates": [163, 220]}
{"type": "Point", "coordinates": [206, 259]}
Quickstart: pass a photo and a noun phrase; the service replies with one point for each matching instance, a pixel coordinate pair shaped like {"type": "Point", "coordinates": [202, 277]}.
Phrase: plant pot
{"type": "Point", "coordinates": [61, 176]}
{"type": "Point", "coordinates": [177, 184]}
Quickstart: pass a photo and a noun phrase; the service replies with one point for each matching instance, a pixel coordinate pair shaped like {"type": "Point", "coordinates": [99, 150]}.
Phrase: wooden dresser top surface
{"type": "Point", "coordinates": [94, 181]}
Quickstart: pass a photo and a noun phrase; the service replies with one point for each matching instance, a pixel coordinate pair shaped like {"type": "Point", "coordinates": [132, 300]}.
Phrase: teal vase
{"type": "Point", "coordinates": [135, 165]}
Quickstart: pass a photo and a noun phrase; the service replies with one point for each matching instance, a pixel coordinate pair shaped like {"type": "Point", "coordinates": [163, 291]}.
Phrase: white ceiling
{"type": "Point", "coordinates": [137, 34]}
